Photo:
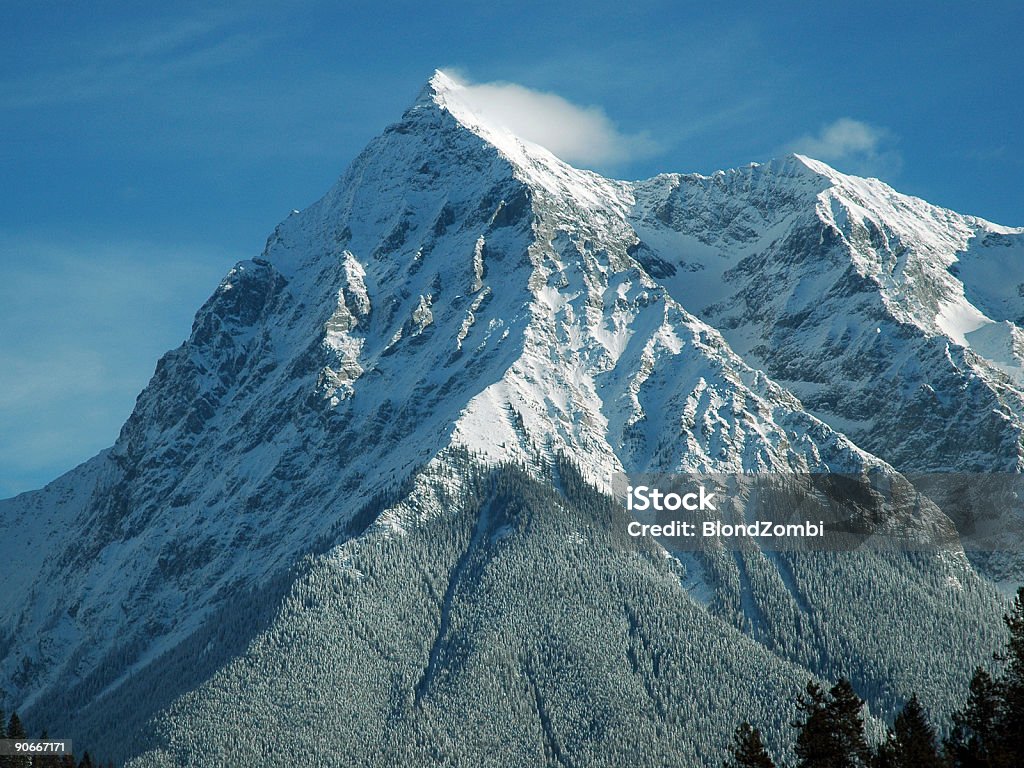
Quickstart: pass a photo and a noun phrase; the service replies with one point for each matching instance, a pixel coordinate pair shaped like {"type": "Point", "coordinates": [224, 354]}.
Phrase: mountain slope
{"type": "Point", "coordinates": [437, 647]}
{"type": "Point", "coordinates": [893, 320]}
{"type": "Point", "coordinates": [859, 300]}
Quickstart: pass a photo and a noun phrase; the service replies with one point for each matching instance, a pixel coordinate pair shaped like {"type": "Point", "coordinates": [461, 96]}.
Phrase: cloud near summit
{"type": "Point", "coordinates": [581, 135]}
{"type": "Point", "coordinates": [856, 146]}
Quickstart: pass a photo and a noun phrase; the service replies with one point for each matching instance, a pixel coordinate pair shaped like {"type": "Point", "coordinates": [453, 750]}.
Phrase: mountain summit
{"type": "Point", "coordinates": [358, 510]}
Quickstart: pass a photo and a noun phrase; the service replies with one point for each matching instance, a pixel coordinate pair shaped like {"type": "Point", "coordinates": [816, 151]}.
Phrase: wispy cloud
{"type": "Point", "coordinates": [853, 145]}
{"type": "Point", "coordinates": [583, 135]}
{"type": "Point", "coordinates": [139, 58]}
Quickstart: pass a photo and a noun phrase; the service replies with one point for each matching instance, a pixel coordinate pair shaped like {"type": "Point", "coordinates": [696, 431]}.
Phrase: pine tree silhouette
{"type": "Point", "coordinates": [1011, 732]}
{"type": "Point", "coordinates": [747, 749]}
{"type": "Point", "coordinates": [813, 741]}
{"type": "Point", "coordinates": [15, 730]}
{"type": "Point", "coordinates": [972, 743]}
{"type": "Point", "coordinates": [46, 760]}
{"type": "Point", "coordinates": [914, 743]}
{"type": "Point", "coordinates": [831, 733]}
{"type": "Point", "coordinates": [847, 724]}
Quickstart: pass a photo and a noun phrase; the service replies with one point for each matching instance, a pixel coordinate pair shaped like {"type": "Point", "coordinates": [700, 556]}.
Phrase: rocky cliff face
{"type": "Point", "coordinates": [363, 491]}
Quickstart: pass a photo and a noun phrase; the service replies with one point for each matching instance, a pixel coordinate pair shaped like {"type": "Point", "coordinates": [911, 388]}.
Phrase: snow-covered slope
{"type": "Point", "coordinates": [893, 320]}
{"type": "Point", "coordinates": [890, 318]}
{"type": "Point", "coordinates": [462, 298]}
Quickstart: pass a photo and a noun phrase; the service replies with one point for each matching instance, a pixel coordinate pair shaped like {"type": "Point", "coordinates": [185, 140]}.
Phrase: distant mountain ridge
{"type": "Point", "coordinates": [433, 368]}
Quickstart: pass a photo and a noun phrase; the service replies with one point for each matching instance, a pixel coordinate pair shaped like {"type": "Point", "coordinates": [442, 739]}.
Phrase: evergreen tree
{"type": "Point", "coordinates": [46, 760]}
{"type": "Point", "coordinates": [847, 725]}
{"type": "Point", "coordinates": [885, 755]}
{"type": "Point", "coordinates": [831, 733]}
{"type": "Point", "coordinates": [972, 743]}
{"type": "Point", "coordinates": [747, 749]}
{"type": "Point", "coordinates": [813, 742]}
{"type": "Point", "coordinates": [15, 730]}
{"type": "Point", "coordinates": [1011, 730]}
{"type": "Point", "coordinates": [914, 745]}
{"type": "Point", "coordinates": [989, 731]}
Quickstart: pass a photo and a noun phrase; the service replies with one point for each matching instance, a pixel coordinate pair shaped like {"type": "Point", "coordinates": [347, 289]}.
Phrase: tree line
{"type": "Point", "coordinates": [987, 733]}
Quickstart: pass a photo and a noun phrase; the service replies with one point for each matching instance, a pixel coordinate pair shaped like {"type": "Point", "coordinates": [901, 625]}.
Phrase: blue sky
{"type": "Point", "coordinates": [142, 153]}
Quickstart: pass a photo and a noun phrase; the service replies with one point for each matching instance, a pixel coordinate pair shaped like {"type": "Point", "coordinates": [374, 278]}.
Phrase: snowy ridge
{"type": "Point", "coordinates": [868, 304]}
{"type": "Point", "coordinates": [533, 163]}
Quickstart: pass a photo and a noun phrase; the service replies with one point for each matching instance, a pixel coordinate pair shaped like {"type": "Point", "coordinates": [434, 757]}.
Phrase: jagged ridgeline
{"type": "Point", "coordinates": [357, 513]}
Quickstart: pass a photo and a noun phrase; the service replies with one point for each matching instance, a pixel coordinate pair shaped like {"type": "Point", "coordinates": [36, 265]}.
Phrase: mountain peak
{"type": "Point", "coordinates": [452, 95]}
{"type": "Point", "coordinates": [532, 163]}
{"type": "Point", "coordinates": [794, 165]}
{"type": "Point", "coordinates": [436, 88]}
{"type": "Point", "coordinates": [441, 82]}
{"type": "Point", "coordinates": [815, 166]}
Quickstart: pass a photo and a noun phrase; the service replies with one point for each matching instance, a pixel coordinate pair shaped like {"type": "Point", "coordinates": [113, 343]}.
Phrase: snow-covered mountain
{"type": "Point", "coordinates": [893, 320]}
{"type": "Point", "coordinates": [358, 510]}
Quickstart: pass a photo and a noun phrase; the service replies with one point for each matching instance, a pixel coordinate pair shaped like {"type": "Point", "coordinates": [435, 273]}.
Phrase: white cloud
{"type": "Point", "coordinates": [843, 138]}
{"type": "Point", "coordinates": [855, 145]}
{"type": "Point", "coordinates": [581, 135]}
